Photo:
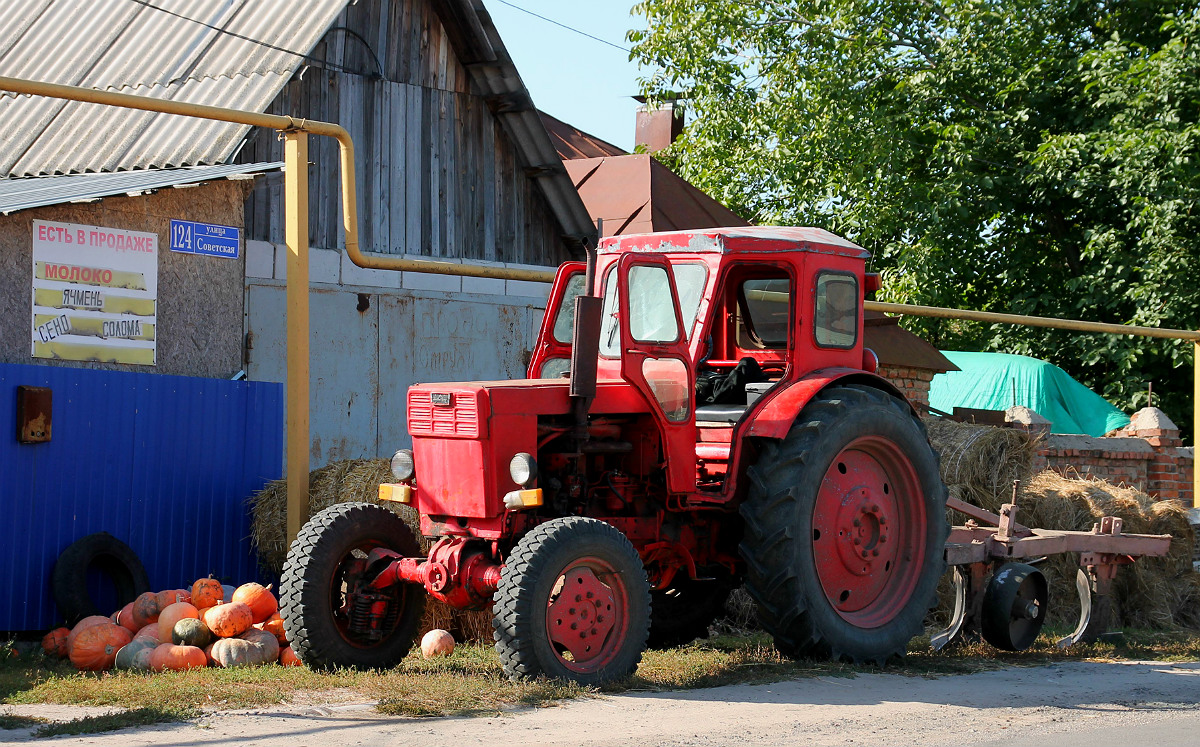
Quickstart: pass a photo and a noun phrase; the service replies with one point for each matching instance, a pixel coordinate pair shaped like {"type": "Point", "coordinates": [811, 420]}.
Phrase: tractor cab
{"type": "Point", "coordinates": [710, 327]}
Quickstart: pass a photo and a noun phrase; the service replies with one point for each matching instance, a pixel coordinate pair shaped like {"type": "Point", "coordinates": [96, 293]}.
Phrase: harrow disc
{"type": "Point", "coordinates": [1014, 607]}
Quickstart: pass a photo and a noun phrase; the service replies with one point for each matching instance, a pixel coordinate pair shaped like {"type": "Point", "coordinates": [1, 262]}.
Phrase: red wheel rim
{"type": "Point", "coordinates": [869, 528]}
{"type": "Point", "coordinates": [587, 617]}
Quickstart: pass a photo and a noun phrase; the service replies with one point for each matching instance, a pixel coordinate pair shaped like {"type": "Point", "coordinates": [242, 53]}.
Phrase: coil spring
{"type": "Point", "coordinates": [364, 622]}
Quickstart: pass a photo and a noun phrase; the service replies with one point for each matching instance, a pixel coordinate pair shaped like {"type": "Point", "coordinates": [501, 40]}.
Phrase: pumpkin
{"type": "Point", "coordinates": [82, 625]}
{"type": "Point", "coordinates": [54, 643]}
{"type": "Point", "coordinates": [227, 592]}
{"type": "Point", "coordinates": [259, 599]}
{"type": "Point", "coordinates": [169, 657]}
{"type": "Point", "coordinates": [150, 631]}
{"type": "Point", "coordinates": [437, 642]}
{"type": "Point", "coordinates": [135, 655]}
{"type": "Point", "coordinates": [252, 648]}
{"type": "Point", "coordinates": [228, 619]}
{"type": "Point", "coordinates": [124, 618]}
{"type": "Point", "coordinates": [172, 614]}
{"type": "Point", "coordinates": [274, 626]}
{"type": "Point", "coordinates": [208, 653]}
{"type": "Point", "coordinates": [96, 647]}
{"type": "Point", "coordinates": [288, 658]}
{"type": "Point", "coordinates": [191, 631]}
{"type": "Point", "coordinates": [172, 596]}
{"type": "Point", "coordinates": [145, 609]}
{"type": "Point", "coordinates": [206, 592]}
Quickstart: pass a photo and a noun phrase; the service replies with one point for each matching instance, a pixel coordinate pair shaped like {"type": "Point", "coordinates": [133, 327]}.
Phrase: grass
{"type": "Point", "coordinates": [471, 683]}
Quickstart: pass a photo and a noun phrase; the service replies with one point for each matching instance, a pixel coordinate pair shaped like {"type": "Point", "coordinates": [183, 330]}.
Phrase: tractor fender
{"type": "Point", "coordinates": [775, 418]}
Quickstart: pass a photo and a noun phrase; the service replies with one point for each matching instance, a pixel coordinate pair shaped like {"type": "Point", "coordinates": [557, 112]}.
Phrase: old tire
{"type": "Point", "coordinates": [685, 611]}
{"type": "Point", "coordinates": [319, 586]}
{"type": "Point", "coordinates": [104, 553]}
{"type": "Point", "coordinates": [573, 603]}
{"type": "Point", "coordinates": [845, 529]}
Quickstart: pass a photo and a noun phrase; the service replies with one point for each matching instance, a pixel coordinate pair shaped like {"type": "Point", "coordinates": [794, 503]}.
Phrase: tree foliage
{"type": "Point", "coordinates": [1027, 156]}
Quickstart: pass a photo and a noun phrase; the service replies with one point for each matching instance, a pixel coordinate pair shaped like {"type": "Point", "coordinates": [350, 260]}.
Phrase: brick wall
{"type": "Point", "coordinates": [914, 382]}
{"type": "Point", "coordinates": [1152, 459]}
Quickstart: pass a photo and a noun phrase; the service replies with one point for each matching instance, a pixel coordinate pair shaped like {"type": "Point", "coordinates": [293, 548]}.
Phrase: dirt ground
{"type": "Point", "coordinates": [1077, 703]}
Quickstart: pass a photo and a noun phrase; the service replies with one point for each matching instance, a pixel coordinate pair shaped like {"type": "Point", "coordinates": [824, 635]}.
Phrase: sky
{"type": "Point", "coordinates": [583, 82]}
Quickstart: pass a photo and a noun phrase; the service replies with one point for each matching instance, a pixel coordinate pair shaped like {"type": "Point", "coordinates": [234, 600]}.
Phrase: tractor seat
{"type": "Point", "coordinates": [720, 413]}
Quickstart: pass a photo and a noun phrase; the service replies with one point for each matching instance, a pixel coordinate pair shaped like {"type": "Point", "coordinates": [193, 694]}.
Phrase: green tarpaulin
{"type": "Point", "coordinates": [988, 381]}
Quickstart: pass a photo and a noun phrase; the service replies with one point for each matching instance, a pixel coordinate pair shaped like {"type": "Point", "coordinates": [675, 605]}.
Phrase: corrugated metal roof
{"type": "Point", "coordinates": [38, 191]}
{"type": "Point", "coordinates": [232, 53]}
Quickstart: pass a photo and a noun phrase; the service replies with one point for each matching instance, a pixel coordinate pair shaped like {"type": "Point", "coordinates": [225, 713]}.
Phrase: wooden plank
{"type": "Point", "coordinates": [432, 122]}
{"type": "Point", "coordinates": [448, 126]}
{"type": "Point", "coordinates": [487, 185]}
{"type": "Point", "coordinates": [396, 142]}
{"type": "Point", "coordinates": [415, 163]}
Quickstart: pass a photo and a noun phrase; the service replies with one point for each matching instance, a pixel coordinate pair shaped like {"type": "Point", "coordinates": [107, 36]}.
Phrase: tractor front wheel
{"type": "Point", "coordinates": [845, 528]}
{"type": "Point", "coordinates": [329, 615]}
{"type": "Point", "coordinates": [573, 603]}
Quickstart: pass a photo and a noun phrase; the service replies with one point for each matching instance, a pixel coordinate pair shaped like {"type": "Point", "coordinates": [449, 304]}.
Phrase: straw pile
{"type": "Point", "coordinates": [982, 461]}
{"type": "Point", "coordinates": [979, 464]}
{"type": "Point", "coordinates": [354, 480]}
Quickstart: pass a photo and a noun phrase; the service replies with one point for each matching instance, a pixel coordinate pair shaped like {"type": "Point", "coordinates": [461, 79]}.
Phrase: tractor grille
{"type": "Point", "coordinates": [460, 418]}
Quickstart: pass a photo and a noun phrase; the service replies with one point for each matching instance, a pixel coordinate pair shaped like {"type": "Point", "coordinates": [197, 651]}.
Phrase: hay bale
{"type": "Point", "coordinates": [353, 480]}
{"type": "Point", "coordinates": [982, 461]}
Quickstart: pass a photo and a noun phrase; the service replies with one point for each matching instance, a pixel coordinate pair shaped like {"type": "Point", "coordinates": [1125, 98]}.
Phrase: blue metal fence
{"type": "Point", "coordinates": [163, 463]}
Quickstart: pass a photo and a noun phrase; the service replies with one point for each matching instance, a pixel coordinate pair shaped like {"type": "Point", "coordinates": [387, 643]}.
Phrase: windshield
{"type": "Point", "coordinates": [651, 303]}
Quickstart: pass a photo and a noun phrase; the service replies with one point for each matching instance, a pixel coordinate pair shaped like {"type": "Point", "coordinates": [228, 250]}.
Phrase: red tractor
{"type": "Point", "coordinates": [700, 413]}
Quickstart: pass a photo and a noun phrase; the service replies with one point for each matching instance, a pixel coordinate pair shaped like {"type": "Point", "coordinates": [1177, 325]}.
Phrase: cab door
{"type": "Point", "coordinates": [655, 359]}
{"type": "Point", "coordinates": [552, 353]}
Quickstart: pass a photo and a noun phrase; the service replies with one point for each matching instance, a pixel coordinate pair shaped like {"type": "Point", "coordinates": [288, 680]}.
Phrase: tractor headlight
{"type": "Point", "coordinates": [403, 466]}
{"type": "Point", "coordinates": [523, 470]}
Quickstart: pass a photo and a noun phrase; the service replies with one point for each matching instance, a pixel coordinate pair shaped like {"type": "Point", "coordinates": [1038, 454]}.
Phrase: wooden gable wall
{"type": "Point", "coordinates": [436, 173]}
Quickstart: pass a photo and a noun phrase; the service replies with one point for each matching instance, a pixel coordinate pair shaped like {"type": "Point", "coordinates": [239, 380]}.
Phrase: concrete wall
{"type": "Point", "coordinates": [375, 332]}
{"type": "Point", "coordinates": [200, 299]}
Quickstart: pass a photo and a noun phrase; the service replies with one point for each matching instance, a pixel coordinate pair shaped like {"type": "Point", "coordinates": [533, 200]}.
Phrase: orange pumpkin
{"type": "Point", "coordinates": [288, 658]}
{"type": "Point", "coordinates": [96, 647]}
{"type": "Point", "coordinates": [169, 657]}
{"type": "Point", "coordinates": [206, 592]}
{"type": "Point", "coordinates": [274, 626]}
{"type": "Point", "coordinates": [172, 614]}
{"type": "Point", "coordinates": [82, 625]}
{"type": "Point", "coordinates": [208, 654]}
{"type": "Point", "coordinates": [54, 643]}
{"type": "Point", "coordinates": [171, 596]}
{"type": "Point", "coordinates": [145, 609]}
{"type": "Point", "coordinates": [150, 631]}
{"type": "Point", "coordinates": [228, 619]}
{"type": "Point", "coordinates": [259, 599]}
{"type": "Point", "coordinates": [124, 618]}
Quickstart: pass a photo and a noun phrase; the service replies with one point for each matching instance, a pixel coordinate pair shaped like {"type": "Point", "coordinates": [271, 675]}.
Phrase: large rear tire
{"type": "Point", "coordinates": [322, 601]}
{"type": "Point", "coordinates": [573, 604]}
{"type": "Point", "coordinates": [845, 529]}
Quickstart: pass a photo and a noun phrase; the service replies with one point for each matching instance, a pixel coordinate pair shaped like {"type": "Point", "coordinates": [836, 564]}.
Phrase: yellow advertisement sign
{"type": "Point", "coordinates": [94, 293]}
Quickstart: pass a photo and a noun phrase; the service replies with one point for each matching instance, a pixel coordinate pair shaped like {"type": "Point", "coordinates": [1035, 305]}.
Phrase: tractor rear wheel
{"type": "Point", "coordinates": [845, 528]}
{"type": "Point", "coordinates": [573, 603]}
{"type": "Point", "coordinates": [329, 616]}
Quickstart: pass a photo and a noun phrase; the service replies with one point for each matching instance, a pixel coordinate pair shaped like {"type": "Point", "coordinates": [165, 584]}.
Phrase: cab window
{"type": "Point", "coordinates": [764, 312]}
{"type": "Point", "coordinates": [835, 321]}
